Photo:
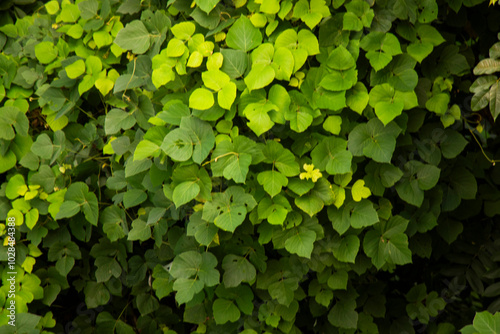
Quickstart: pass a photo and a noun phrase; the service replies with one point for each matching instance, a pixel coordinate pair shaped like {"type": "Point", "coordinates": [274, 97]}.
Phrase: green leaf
{"type": "Point", "coordinates": [449, 230]}
{"type": "Point", "coordinates": [175, 48]}
{"type": "Point", "coordinates": [463, 183]}
{"type": "Point", "coordinates": [343, 314]}
{"type": "Point", "coordinates": [163, 283]}
{"type": "Point", "coordinates": [186, 289]}
{"type": "Point", "coordinates": [397, 249]}
{"type": "Point", "coordinates": [203, 231]}
{"type": "Point", "coordinates": [43, 146]}
{"type": "Point", "coordinates": [76, 31]}
{"type": "Point", "coordinates": [260, 76]}
{"type": "Point", "coordinates": [275, 210]}
{"type": "Point", "coordinates": [438, 103]}
{"type": "Point", "coordinates": [146, 303]}
{"type": "Point", "coordinates": [134, 197]}
{"type": "Point", "coordinates": [283, 63]}
{"type": "Point", "coordinates": [134, 37]}
{"type": "Point", "coordinates": [173, 112]}
{"type": "Point", "coordinates": [235, 63]}
{"type": "Point", "coordinates": [419, 50]}
{"type": "Point", "coordinates": [362, 213]}
{"type": "Point", "coordinates": [116, 120]}
{"type": "Point", "coordinates": [16, 187]}
{"type": "Point", "coordinates": [31, 218]}
{"type": "Point", "coordinates": [201, 99]}
{"type": "Point", "coordinates": [237, 269]}
{"type": "Point", "coordinates": [357, 98]}
{"type": "Point", "coordinates": [331, 154]}
{"type": "Point", "coordinates": [178, 145]}
{"type": "Point", "coordinates": [52, 7]}
{"type": "Point", "coordinates": [184, 30]}
{"type": "Point", "coordinates": [7, 161]}
{"type": "Point", "coordinates": [272, 181]}
{"type": "Point", "coordinates": [410, 192]}
{"type": "Point", "coordinates": [230, 220]}
{"type": "Point", "coordinates": [428, 176]}
{"type": "Point", "coordinates": [90, 208]}
{"type": "Point", "coordinates": [202, 137]}
{"type": "Point", "coordinates": [75, 69]}
{"type": "Point", "coordinates": [68, 209]}
{"type": "Point", "coordinates": [228, 210]}
{"type": "Point", "coordinates": [283, 290]}
{"type": "Point", "coordinates": [338, 280]}
{"type": "Point", "coordinates": [390, 245]}
{"type": "Point", "coordinates": [387, 111]}
{"type": "Point", "coordinates": [374, 140]}
{"type": "Point", "coordinates": [65, 264]}
{"type": "Point", "coordinates": [88, 9]}
{"type": "Point", "coordinates": [333, 124]}
{"type": "Point", "coordinates": [227, 96]}
{"type": "Point", "coordinates": [243, 35]}
{"type": "Point", "coordinates": [145, 149]}
{"type": "Point", "coordinates": [270, 7]}
{"type": "Point", "coordinates": [339, 80]}
{"type": "Point", "coordinates": [346, 249]}
{"type": "Point", "coordinates": [106, 267]}
{"type": "Point", "coordinates": [301, 242]}
{"type": "Point", "coordinates": [378, 59]}
{"type": "Point", "coordinates": [391, 45]}
{"type": "Point", "coordinates": [486, 323]}
{"type": "Point", "coordinates": [192, 263]}
{"type": "Point", "coordinates": [238, 168]}
{"type": "Point", "coordinates": [45, 52]}
{"type": "Point", "coordinates": [351, 22]}
{"type": "Point", "coordinates": [310, 204]}
{"type": "Point", "coordinates": [232, 160]}
{"type": "Point", "coordinates": [113, 219]}
{"type": "Point", "coordinates": [386, 103]}
{"type": "Point", "coordinates": [185, 192]}
{"type": "Point", "coordinates": [429, 34]}
{"type": "Point", "coordinates": [224, 311]}
{"type": "Point", "coordinates": [283, 159]}
{"type": "Point", "coordinates": [186, 265]}
{"type": "Point", "coordinates": [215, 79]}
{"type": "Point", "coordinates": [257, 113]}
{"type": "Point", "coordinates": [207, 5]}
{"type": "Point", "coordinates": [140, 231]}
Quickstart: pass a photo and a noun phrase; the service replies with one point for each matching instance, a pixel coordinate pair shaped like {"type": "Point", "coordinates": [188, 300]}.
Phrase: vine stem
{"type": "Point", "coordinates": [122, 313]}
{"type": "Point", "coordinates": [493, 162]}
{"type": "Point", "coordinates": [220, 156]}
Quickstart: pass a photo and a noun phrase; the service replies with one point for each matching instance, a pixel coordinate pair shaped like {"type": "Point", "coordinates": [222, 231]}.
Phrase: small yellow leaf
{"type": "Point", "coordinates": [311, 173]}
{"type": "Point", "coordinates": [359, 191]}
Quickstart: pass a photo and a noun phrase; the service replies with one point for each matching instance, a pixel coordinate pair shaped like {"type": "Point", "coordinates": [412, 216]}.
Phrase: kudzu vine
{"type": "Point", "coordinates": [250, 166]}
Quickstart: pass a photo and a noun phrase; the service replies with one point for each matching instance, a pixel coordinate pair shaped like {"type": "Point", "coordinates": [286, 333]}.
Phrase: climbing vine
{"type": "Point", "coordinates": [262, 166]}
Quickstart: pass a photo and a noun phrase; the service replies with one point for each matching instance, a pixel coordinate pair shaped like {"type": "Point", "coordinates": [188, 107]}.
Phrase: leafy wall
{"type": "Point", "coordinates": [265, 166]}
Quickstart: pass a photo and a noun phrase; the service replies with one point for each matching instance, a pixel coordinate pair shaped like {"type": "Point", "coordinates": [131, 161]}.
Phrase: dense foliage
{"type": "Point", "coordinates": [262, 166]}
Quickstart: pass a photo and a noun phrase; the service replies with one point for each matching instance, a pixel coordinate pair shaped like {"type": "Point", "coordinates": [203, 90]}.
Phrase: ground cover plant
{"type": "Point", "coordinates": [263, 166]}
